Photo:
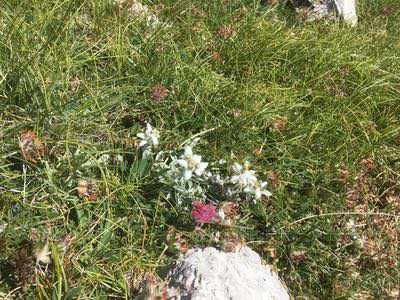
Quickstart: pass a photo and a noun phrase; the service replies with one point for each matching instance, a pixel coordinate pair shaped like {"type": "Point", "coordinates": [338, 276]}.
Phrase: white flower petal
{"type": "Point", "coordinates": [196, 159]}
{"type": "Point", "coordinates": [267, 193]}
{"type": "Point", "coordinates": [187, 174]}
{"type": "Point", "coordinates": [237, 168]}
{"type": "Point", "coordinates": [235, 179]}
{"type": "Point", "coordinates": [221, 214]}
{"type": "Point", "coordinates": [188, 151]}
{"type": "Point", "coordinates": [154, 140]}
{"type": "Point", "coordinates": [142, 143]}
{"type": "Point", "coordinates": [182, 163]}
{"type": "Point", "coordinates": [208, 174]}
{"type": "Point", "coordinates": [201, 168]}
{"type": "Point", "coordinates": [263, 184]}
{"type": "Point", "coordinates": [149, 129]}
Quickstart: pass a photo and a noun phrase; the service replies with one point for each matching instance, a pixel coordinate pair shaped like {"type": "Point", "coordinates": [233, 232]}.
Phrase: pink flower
{"type": "Point", "coordinates": [204, 213]}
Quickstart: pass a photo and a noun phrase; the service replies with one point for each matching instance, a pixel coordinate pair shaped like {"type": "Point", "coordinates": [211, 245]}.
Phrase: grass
{"type": "Point", "coordinates": [314, 106]}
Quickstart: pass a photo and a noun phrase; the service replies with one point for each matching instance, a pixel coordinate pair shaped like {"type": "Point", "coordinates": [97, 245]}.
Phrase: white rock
{"type": "Point", "coordinates": [210, 274]}
{"type": "Point", "coordinates": [139, 10]}
{"type": "Point", "coordinates": [347, 10]}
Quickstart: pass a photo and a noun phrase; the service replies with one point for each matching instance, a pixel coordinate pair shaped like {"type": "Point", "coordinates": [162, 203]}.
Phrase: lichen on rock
{"type": "Point", "coordinates": [216, 275]}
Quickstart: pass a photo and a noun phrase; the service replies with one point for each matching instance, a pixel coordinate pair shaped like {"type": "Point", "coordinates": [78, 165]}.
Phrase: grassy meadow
{"type": "Point", "coordinates": [313, 106]}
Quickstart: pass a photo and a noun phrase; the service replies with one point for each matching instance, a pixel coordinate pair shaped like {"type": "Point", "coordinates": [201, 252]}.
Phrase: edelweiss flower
{"type": "Point", "coordinates": [149, 138]}
{"type": "Point", "coordinates": [259, 191]}
{"type": "Point", "coordinates": [104, 159]}
{"type": "Point", "coordinates": [237, 168]}
{"type": "Point", "coordinates": [191, 163]}
{"type": "Point", "coordinates": [246, 179]}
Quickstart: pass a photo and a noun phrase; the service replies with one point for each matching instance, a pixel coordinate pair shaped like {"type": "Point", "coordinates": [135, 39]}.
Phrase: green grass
{"type": "Point", "coordinates": [80, 75]}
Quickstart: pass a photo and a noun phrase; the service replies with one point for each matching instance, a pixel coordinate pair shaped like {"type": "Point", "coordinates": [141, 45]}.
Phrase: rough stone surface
{"type": "Point", "coordinates": [215, 275]}
{"type": "Point", "coordinates": [345, 9]}
{"type": "Point", "coordinates": [137, 10]}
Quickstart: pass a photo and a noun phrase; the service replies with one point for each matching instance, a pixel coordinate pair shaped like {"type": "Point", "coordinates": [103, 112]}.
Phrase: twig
{"type": "Point", "coordinates": [197, 135]}
{"type": "Point", "coordinates": [346, 214]}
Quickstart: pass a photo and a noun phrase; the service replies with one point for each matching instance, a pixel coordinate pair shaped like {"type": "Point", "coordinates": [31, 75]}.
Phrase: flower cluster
{"type": "Point", "coordinates": [186, 174]}
{"type": "Point", "coordinates": [246, 181]}
{"type": "Point", "coordinates": [190, 164]}
{"type": "Point", "coordinates": [148, 140]}
{"type": "Point", "coordinates": [188, 177]}
{"type": "Point", "coordinates": [204, 213]}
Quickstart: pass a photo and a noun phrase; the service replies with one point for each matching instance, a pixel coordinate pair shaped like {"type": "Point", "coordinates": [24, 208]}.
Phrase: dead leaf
{"type": "Point", "coordinates": [159, 92]}
{"type": "Point", "coordinates": [87, 188]}
{"type": "Point", "coordinates": [74, 83]}
{"type": "Point", "coordinates": [279, 124]}
{"type": "Point", "coordinates": [232, 242]}
{"type": "Point", "coordinates": [31, 146]}
{"type": "Point", "coordinates": [231, 209]}
{"type": "Point", "coordinates": [272, 252]}
{"type": "Point", "coordinates": [215, 56]}
{"type": "Point", "coordinates": [24, 267]}
{"type": "Point", "coordinates": [344, 175]}
{"type": "Point", "coordinates": [43, 255]}
{"type": "Point", "coordinates": [274, 177]}
{"type": "Point", "coordinates": [298, 256]}
{"type": "Point", "coordinates": [226, 31]}
{"type": "Point", "coordinates": [65, 242]}
{"type": "Point", "coordinates": [368, 164]}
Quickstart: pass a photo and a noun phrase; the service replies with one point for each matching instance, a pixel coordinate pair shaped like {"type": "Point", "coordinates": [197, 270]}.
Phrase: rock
{"type": "Point", "coordinates": [138, 10]}
{"type": "Point", "coordinates": [319, 9]}
{"type": "Point", "coordinates": [347, 10]}
{"type": "Point", "coordinates": [216, 275]}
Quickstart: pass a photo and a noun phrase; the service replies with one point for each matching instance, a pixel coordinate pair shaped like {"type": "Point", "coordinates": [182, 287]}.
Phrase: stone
{"type": "Point", "coordinates": [137, 10]}
{"type": "Point", "coordinates": [216, 275]}
{"type": "Point", "coordinates": [347, 10]}
{"type": "Point", "coordinates": [319, 9]}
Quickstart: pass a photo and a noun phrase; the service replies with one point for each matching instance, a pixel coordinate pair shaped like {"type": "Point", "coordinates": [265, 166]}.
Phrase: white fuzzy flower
{"type": "Point", "coordinates": [217, 179]}
{"type": "Point", "coordinates": [104, 159]}
{"type": "Point", "coordinates": [245, 180]}
{"type": "Point", "coordinates": [260, 191]}
{"type": "Point", "coordinates": [208, 174]}
{"type": "Point", "coordinates": [191, 163]}
{"type": "Point", "coordinates": [149, 138]}
{"type": "Point", "coordinates": [237, 168]}
{"type": "Point", "coordinates": [245, 177]}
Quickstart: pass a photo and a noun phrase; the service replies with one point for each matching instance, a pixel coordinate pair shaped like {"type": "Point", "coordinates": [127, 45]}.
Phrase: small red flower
{"type": "Point", "coordinates": [204, 213]}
